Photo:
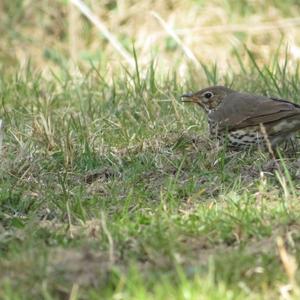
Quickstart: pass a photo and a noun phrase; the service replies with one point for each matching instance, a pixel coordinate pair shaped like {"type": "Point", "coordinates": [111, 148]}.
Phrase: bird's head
{"type": "Point", "coordinates": [209, 98]}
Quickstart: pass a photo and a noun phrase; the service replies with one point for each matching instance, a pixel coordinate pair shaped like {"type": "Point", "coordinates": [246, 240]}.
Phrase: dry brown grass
{"type": "Point", "coordinates": [52, 33]}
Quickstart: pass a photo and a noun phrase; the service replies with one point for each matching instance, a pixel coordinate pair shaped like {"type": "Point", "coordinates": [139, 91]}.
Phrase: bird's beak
{"type": "Point", "coordinates": [187, 97]}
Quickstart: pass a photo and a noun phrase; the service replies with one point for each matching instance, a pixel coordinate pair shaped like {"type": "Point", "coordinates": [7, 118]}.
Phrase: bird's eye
{"type": "Point", "coordinates": [208, 95]}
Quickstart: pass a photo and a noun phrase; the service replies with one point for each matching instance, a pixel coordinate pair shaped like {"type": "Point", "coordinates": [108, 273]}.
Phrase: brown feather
{"type": "Point", "coordinates": [240, 110]}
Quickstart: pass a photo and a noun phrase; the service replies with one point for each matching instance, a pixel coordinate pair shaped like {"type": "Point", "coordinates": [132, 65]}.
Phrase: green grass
{"type": "Point", "coordinates": [113, 188]}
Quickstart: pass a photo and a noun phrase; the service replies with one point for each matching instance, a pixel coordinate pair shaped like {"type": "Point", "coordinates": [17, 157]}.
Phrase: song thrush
{"type": "Point", "coordinates": [245, 119]}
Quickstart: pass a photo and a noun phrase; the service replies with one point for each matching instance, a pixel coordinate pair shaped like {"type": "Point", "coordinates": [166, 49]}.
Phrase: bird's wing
{"type": "Point", "coordinates": [239, 110]}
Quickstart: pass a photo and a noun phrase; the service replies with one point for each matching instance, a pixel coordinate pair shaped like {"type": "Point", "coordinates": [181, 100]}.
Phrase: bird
{"type": "Point", "coordinates": [244, 119]}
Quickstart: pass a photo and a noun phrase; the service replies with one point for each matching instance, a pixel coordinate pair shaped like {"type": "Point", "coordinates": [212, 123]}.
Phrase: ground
{"type": "Point", "coordinates": [110, 187]}
{"type": "Point", "coordinates": [115, 189]}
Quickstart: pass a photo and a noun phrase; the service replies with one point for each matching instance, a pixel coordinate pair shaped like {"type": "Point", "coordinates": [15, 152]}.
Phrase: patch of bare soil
{"type": "Point", "coordinates": [83, 267]}
{"type": "Point", "coordinates": [103, 175]}
{"type": "Point", "coordinates": [201, 249]}
{"type": "Point", "coordinates": [97, 180]}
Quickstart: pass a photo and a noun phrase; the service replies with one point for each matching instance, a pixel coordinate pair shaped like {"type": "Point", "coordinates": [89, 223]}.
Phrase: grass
{"type": "Point", "coordinates": [113, 188]}
{"type": "Point", "coordinates": [110, 187]}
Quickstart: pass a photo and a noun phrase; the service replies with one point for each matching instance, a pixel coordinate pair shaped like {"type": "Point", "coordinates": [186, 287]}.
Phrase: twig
{"type": "Point", "coordinates": [102, 28]}
{"type": "Point", "coordinates": [74, 292]}
{"type": "Point", "coordinates": [188, 52]}
{"type": "Point", "coordinates": [288, 261]}
{"type": "Point", "coordinates": [109, 237]}
{"type": "Point", "coordinates": [73, 31]}
{"type": "Point", "coordinates": [280, 173]}
{"type": "Point", "coordinates": [260, 27]}
{"type": "Point", "coordinates": [267, 141]}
